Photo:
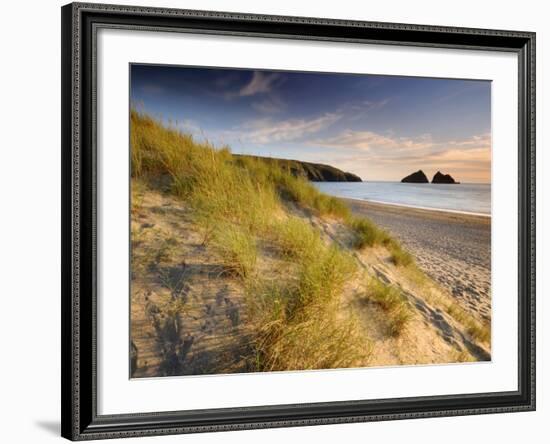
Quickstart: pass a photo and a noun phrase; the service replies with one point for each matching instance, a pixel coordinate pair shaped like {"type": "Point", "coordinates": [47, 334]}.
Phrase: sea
{"type": "Point", "coordinates": [470, 198]}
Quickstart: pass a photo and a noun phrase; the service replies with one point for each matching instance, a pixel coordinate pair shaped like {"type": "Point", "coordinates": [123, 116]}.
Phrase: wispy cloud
{"type": "Point", "coordinates": [267, 130]}
{"type": "Point", "coordinates": [260, 83]}
{"type": "Point", "coordinates": [394, 157]}
{"type": "Point", "coordinates": [370, 105]}
{"type": "Point", "coordinates": [372, 141]}
{"type": "Point", "coordinates": [380, 127]}
{"type": "Point", "coordinates": [369, 141]}
{"type": "Point", "coordinates": [271, 105]}
{"type": "Point", "coordinates": [360, 109]}
{"type": "Point", "coordinates": [375, 104]}
{"type": "Point", "coordinates": [481, 140]}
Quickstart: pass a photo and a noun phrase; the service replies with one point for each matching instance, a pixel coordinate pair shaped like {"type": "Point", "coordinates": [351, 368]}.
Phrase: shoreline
{"type": "Point", "coordinates": [452, 248]}
{"type": "Point", "coordinates": [415, 207]}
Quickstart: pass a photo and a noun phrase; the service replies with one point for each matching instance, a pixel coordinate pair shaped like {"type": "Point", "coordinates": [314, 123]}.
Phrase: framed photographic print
{"type": "Point", "coordinates": [281, 221]}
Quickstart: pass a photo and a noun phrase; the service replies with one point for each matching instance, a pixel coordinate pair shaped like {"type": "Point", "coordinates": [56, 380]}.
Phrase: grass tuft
{"type": "Point", "coordinates": [236, 249]}
{"type": "Point", "coordinates": [367, 234]}
{"type": "Point", "coordinates": [399, 256]}
{"type": "Point", "coordinates": [295, 238]}
{"type": "Point", "coordinates": [478, 331]}
{"type": "Point", "coordinates": [311, 337]}
{"type": "Point", "coordinates": [323, 274]}
{"type": "Point", "coordinates": [392, 302]}
{"type": "Point", "coordinates": [296, 317]}
{"type": "Point", "coordinates": [305, 195]}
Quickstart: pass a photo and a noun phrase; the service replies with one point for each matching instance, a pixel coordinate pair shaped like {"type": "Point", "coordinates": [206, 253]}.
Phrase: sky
{"type": "Point", "coordinates": [378, 127]}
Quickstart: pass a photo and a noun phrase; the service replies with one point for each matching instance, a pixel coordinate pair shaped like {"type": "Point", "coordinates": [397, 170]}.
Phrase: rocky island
{"type": "Point", "coordinates": [418, 177]}
{"type": "Point", "coordinates": [443, 178]}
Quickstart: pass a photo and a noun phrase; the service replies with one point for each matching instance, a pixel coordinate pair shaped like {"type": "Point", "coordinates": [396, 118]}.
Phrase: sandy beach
{"type": "Point", "coordinates": [453, 248]}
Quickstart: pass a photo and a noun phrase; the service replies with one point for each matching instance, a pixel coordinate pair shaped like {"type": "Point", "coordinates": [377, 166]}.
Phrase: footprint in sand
{"type": "Point", "coordinates": [220, 296]}
{"type": "Point", "coordinates": [232, 312]}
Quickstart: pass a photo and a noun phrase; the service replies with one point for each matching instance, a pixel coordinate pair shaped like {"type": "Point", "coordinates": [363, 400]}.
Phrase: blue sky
{"type": "Point", "coordinates": [379, 127]}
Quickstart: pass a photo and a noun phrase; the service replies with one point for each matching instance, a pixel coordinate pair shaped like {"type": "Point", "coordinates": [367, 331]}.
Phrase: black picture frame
{"type": "Point", "coordinates": [79, 391]}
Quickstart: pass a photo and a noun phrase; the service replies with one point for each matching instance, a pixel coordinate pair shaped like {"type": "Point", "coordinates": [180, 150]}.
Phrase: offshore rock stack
{"type": "Point", "coordinates": [443, 178]}
{"type": "Point", "coordinates": [420, 177]}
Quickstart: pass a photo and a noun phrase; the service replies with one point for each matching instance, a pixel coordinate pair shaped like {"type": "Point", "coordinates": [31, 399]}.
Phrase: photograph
{"type": "Point", "coordinates": [293, 221]}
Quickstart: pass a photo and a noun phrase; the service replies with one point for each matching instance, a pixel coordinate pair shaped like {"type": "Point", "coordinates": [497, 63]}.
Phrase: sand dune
{"type": "Point", "coordinates": [188, 318]}
{"type": "Point", "coordinates": [452, 248]}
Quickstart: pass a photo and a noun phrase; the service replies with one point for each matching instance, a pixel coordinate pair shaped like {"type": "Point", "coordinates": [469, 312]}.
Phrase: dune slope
{"type": "Point", "coordinates": [240, 266]}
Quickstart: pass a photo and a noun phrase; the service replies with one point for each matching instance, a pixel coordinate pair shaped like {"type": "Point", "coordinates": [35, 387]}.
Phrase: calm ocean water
{"type": "Point", "coordinates": [467, 197]}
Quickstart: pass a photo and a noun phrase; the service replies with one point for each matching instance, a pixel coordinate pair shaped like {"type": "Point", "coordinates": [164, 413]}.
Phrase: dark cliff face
{"type": "Point", "coordinates": [418, 177]}
{"type": "Point", "coordinates": [443, 178]}
{"type": "Point", "coordinates": [317, 172]}
{"type": "Point", "coordinates": [325, 173]}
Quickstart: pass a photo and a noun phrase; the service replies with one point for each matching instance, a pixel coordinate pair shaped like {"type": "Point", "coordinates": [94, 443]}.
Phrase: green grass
{"type": "Point", "coordinates": [243, 189]}
{"type": "Point", "coordinates": [242, 202]}
{"type": "Point", "coordinates": [201, 175]}
{"type": "Point", "coordinates": [245, 207]}
{"type": "Point", "coordinates": [399, 256]}
{"type": "Point", "coordinates": [305, 195]}
{"type": "Point", "coordinates": [296, 316]}
{"type": "Point", "coordinates": [391, 300]}
{"type": "Point", "coordinates": [366, 233]}
{"type": "Point", "coordinates": [463, 356]}
{"type": "Point", "coordinates": [295, 238]}
{"type": "Point", "coordinates": [478, 331]}
{"type": "Point", "coordinates": [237, 250]}
{"type": "Point", "coordinates": [322, 276]}
{"type": "Point", "coordinates": [297, 324]}
{"type": "Point", "coordinates": [318, 340]}
{"type": "Point", "coordinates": [320, 270]}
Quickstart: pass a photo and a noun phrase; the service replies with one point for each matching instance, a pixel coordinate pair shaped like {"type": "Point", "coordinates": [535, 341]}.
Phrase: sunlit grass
{"type": "Point", "coordinates": [398, 255]}
{"type": "Point", "coordinates": [366, 233]}
{"type": "Point", "coordinates": [394, 304]}
{"type": "Point", "coordinates": [236, 249]}
{"type": "Point", "coordinates": [295, 238]}
{"type": "Point", "coordinates": [237, 202]}
{"type": "Point", "coordinates": [480, 332]}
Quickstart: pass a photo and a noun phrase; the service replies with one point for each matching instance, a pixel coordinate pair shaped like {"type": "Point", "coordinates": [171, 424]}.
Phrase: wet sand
{"type": "Point", "coordinates": [452, 248]}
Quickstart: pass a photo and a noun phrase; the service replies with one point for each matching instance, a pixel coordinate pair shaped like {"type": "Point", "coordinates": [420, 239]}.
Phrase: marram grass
{"type": "Point", "coordinates": [241, 203]}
